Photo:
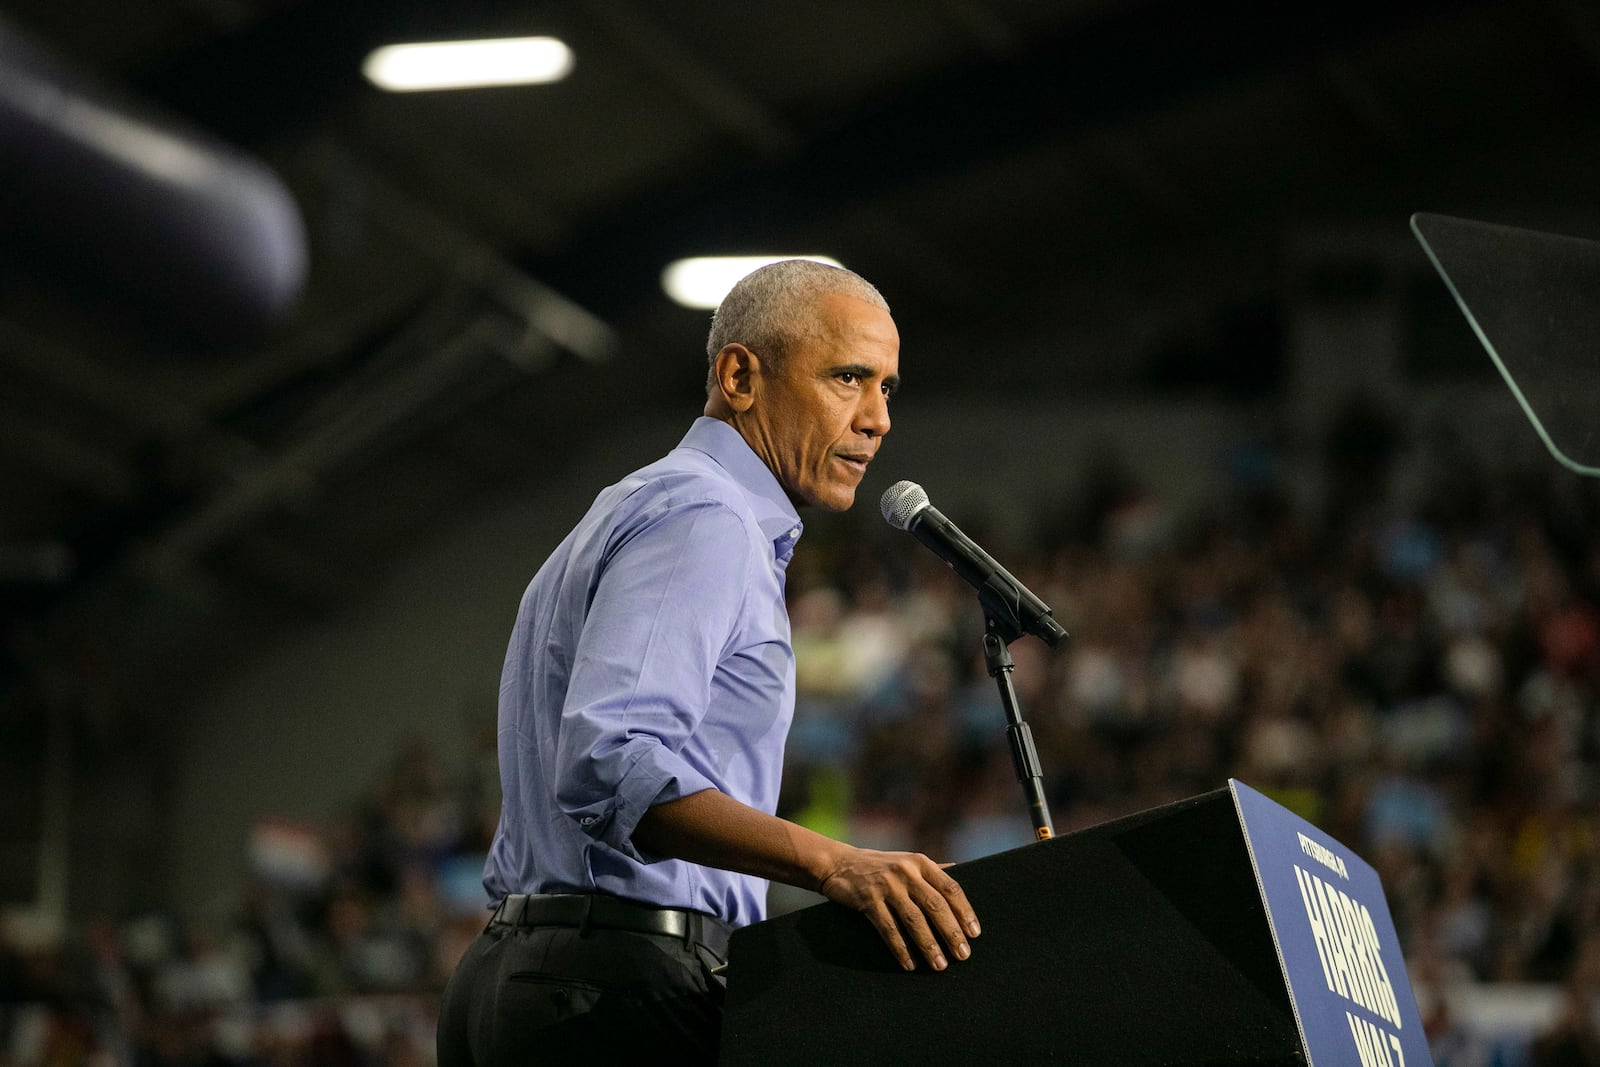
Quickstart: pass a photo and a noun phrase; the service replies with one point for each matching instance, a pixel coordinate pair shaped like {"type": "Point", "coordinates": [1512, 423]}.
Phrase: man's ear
{"type": "Point", "coordinates": [734, 377]}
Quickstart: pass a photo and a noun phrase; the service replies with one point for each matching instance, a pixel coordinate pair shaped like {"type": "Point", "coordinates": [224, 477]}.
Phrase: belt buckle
{"type": "Point", "coordinates": [511, 911]}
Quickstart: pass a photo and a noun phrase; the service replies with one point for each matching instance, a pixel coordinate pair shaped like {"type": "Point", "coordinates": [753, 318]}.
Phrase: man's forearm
{"type": "Point", "coordinates": [908, 898]}
{"type": "Point", "coordinates": [713, 829]}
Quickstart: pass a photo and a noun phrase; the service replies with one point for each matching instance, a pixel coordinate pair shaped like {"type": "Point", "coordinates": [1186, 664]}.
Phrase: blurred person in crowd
{"type": "Point", "coordinates": [647, 692]}
{"type": "Point", "coordinates": [281, 948]}
{"type": "Point", "coordinates": [206, 975]}
{"type": "Point", "coordinates": [119, 1012]}
{"type": "Point", "coordinates": [1452, 1041]}
{"type": "Point", "coordinates": [1573, 1039]}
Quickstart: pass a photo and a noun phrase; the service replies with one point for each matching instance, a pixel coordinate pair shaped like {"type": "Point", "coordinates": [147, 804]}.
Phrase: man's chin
{"type": "Point", "coordinates": [839, 499]}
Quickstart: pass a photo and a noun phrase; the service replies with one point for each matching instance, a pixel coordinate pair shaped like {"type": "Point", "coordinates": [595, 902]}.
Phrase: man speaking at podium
{"type": "Point", "coordinates": [647, 693]}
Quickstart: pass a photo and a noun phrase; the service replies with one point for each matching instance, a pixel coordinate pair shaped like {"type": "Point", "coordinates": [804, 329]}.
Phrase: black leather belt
{"type": "Point", "coordinates": [584, 910]}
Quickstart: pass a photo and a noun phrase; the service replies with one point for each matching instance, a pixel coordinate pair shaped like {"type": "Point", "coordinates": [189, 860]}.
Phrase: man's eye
{"type": "Point", "coordinates": [848, 377]}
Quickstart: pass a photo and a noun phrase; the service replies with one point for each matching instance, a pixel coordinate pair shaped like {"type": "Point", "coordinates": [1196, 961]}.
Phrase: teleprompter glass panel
{"type": "Point", "coordinates": [1533, 300]}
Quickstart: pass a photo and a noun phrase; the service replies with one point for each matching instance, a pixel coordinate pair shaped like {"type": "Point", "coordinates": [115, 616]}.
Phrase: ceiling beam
{"type": "Point", "coordinates": [127, 399]}
{"type": "Point", "coordinates": [34, 442]}
{"type": "Point", "coordinates": [1092, 72]}
{"type": "Point", "coordinates": [693, 80]}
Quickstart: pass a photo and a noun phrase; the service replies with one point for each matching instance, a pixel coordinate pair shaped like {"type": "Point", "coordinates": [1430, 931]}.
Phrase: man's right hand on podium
{"type": "Point", "coordinates": [905, 894]}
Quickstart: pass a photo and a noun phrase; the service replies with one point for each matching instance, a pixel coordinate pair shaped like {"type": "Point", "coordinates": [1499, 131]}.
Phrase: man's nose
{"type": "Point", "coordinates": [872, 417]}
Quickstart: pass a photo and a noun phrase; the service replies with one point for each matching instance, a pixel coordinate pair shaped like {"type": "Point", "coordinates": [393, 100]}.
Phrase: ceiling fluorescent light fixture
{"type": "Point", "coordinates": [703, 281]}
{"type": "Point", "coordinates": [409, 68]}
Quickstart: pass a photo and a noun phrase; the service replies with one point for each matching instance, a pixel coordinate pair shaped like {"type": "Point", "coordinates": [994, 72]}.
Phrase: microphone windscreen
{"type": "Point", "coordinates": [901, 502]}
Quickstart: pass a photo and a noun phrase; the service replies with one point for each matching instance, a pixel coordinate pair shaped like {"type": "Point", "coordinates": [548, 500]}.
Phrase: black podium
{"type": "Point", "coordinates": [1140, 941]}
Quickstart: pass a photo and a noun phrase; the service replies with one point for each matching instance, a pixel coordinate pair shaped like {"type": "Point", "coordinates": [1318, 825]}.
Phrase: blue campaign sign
{"type": "Point", "coordinates": [1336, 941]}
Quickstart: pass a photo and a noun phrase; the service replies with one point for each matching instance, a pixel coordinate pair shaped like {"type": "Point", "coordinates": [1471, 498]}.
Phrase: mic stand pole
{"type": "Point", "coordinates": [997, 657]}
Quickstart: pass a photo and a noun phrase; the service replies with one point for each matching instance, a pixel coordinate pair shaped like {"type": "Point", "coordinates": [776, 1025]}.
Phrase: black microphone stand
{"type": "Point", "coordinates": [997, 638]}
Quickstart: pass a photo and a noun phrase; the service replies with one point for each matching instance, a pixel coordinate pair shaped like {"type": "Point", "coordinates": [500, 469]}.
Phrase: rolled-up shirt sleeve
{"type": "Point", "coordinates": [663, 612]}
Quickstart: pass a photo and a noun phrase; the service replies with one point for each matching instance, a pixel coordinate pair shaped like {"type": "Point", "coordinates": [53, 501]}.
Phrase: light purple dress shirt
{"type": "Point", "coordinates": [650, 660]}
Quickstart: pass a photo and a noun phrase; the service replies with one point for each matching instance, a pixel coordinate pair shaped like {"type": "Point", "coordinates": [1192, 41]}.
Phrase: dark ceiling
{"type": "Point", "coordinates": [1054, 196]}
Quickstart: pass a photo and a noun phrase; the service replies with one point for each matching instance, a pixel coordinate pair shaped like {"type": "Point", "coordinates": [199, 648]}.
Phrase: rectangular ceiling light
{"type": "Point", "coordinates": [703, 281]}
{"type": "Point", "coordinates": [409, 68]}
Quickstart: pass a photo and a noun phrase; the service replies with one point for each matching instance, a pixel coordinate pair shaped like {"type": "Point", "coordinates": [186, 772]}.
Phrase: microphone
{"type": "Point", "coordinates": [1007, 603]}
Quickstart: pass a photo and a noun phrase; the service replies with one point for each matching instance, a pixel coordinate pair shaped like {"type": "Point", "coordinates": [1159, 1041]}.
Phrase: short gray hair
{"type": "Point", "coordinates": [773, 309]}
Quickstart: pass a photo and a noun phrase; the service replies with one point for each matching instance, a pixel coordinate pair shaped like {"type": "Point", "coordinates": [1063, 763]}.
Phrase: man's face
{"type": "Point", "coordinates": [819, 420]}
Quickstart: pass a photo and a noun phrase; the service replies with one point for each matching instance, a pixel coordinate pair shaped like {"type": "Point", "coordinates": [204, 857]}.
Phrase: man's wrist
{"type": "Point", "coordinates": [821, 861]}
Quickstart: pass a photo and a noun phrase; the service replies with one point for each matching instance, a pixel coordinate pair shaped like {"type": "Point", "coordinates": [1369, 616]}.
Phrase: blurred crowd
{"type": "Point", "coordinates": [1415, 673]}
{"type": "Point", "coordinates": [334, 953]}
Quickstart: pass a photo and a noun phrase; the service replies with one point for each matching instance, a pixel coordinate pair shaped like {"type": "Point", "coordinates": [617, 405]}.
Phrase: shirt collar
{"type": "Point", "coordinates": [774, 511]}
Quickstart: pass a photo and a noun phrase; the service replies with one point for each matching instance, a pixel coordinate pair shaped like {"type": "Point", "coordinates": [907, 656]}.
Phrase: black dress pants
{"type": "Point", "coordinates": [556, 994]}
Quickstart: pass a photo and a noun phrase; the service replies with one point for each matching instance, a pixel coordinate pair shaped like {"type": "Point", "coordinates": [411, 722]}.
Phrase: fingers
{"type": "Point", "coordinates": [936, 915]}
{"type": "Point", "coordinates": [915, 923]}
{"type": "Point", "coordinates": [883, 921]}
{"type": "Point", "coordinates": [917, 909]}
{"type": "Point", "coordinates": [960, 907]}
